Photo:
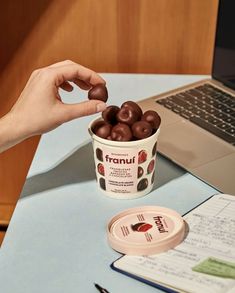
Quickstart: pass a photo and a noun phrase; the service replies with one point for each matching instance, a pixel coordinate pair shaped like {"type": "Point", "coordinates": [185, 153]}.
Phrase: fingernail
{"type": "Point", "coordinates": [100, 107]}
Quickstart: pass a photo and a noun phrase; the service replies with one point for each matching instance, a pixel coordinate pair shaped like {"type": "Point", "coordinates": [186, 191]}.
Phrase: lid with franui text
{"type": "Point", "coordinates": [145, 230]}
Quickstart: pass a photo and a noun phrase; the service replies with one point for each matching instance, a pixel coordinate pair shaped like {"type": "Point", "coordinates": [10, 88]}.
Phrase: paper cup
{"type": "Point", "coordinates": [125, 170]}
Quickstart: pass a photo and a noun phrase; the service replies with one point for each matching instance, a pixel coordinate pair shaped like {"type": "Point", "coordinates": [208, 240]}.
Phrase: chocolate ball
{"type": "Point", "coordinates": [141, 129]}
{"type": "Point", "coordinates": [127, 115]}
{"type": "Point", "coordinates": [121, 132]}
{"type": "Point", "coordinates": [99, 154]}
{"type": "Point", "coordinates": [109, 114]}
{"type": "Point", "coordinates": [98, 92]}
{"type": "Point", "coordinates": [154, 150]}
{"type": "Point", "coordinates": [102, 183]}
{"type": "Point", "coordinates": [153, 118]}
{"type": "Point", "coordinates": [104, 130]}
{"type": "Point", "coordinates": [143, 184]}
{"type": "Point", "coordinates": [140, 172]}
{"type": "Point", "coordinates": [134, 106]}
{"type": "Point", "coordinates": [96, 125]}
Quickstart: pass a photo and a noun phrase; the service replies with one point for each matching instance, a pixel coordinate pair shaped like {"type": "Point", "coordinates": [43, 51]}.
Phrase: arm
{"type": "Point", "coordinates": [40, 109]}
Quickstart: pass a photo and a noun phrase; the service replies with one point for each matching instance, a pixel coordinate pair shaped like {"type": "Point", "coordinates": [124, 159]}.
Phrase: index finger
{"type": "Point", "coordinates": [75, 71]}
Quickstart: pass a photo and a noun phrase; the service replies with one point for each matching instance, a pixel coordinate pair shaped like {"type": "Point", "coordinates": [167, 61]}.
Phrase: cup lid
{"type": "Point", "coordinates": [145, 230]}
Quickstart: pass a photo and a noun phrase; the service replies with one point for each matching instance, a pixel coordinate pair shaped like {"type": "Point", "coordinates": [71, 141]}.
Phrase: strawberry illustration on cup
{"type": "Point", "coordinates": [150, 166]}
{"type": "Point", "coordinates": [141, 227]}
{"type": "Point", "coordinates": [100, 168]}
{"type": "Point", "coordinates": [142, 156]}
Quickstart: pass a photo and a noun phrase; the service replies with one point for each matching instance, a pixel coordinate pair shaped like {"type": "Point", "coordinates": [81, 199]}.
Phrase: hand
{"type": "Point", "coordinates": [40, 109]}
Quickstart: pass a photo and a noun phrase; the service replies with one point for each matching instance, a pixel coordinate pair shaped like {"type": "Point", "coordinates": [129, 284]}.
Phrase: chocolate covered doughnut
{"type": "Point", "coordinates": [141, 129]}
{"type": "Point", "coordinates": [98, 92]}
{"type": "Point", "coordinates": [121, 132]}
{"type": "Point", "coordinates": [152, 118]}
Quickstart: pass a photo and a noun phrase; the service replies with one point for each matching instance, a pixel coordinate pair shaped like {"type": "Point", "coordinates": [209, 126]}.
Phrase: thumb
{"type": "Point", "coordinates": [72, 111]}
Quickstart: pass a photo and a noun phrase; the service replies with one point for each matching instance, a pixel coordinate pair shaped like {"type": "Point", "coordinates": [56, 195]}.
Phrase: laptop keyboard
{"type": "Point", "coordinates": [208, 107]}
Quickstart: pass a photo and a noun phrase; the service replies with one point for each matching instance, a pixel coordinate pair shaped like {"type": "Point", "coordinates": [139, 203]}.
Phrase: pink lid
{"type": "Point", "coordinates": [145, 230]}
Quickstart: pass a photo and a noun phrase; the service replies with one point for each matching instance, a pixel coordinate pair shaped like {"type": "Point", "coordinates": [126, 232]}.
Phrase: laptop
{"type": "Point", "coordinates": [198, 120]}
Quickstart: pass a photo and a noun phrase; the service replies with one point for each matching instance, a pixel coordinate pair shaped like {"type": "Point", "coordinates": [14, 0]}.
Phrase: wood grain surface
{"type": "Point", "coordinates": [138, 36]}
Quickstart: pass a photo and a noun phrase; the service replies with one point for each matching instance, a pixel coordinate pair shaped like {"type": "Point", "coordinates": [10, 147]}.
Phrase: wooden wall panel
{"type": "Point", "coordinates": [141, 36]}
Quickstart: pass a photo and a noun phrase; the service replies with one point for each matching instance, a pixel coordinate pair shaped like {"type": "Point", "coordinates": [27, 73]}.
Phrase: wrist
{"type": "Point", "coordinates": [11, 131]}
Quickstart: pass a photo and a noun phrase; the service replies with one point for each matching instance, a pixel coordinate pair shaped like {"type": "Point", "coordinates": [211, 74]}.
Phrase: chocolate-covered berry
{"type": "Point", "coordinates": [152, 118]}
{"type": "Point", "coordinates": [141, 129]}
{"type": "Point", "coordinates": [98, 92]}
{"type": "Point", "coordinates": [102, 183]}
{"type": "Point", "coordinates": [126, 123]}
{"type": "Point", "coordinates": [143, 184]}
{"type": "Point", "coordinates": [127, 115]}
{"type": "Point", "coordinates": [99, 154]}
{"type": "Point", "coordinates": [140, 172]}
{"type": "Point", "coordinates": [104, 130]}
{"type": "Point", "coordinates": [134, 106]}
{"type": "Point", "coordinates": [121, 132]}
{"type": "Point", "coordinates": [109, 114]}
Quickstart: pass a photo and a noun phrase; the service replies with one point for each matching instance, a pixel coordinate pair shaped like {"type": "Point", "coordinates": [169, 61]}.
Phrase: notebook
{"type": "Point", "coordinates": [198, 120]}
{"type": "Point", "coordinates": [210, 235]}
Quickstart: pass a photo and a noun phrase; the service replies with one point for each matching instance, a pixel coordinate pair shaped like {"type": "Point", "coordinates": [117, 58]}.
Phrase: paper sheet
{"type": "Point", "coordinates": [211, 234]}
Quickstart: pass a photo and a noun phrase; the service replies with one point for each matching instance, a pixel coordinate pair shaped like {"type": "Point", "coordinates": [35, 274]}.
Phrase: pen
{"type": "Point", "coordinates": [100, 289]}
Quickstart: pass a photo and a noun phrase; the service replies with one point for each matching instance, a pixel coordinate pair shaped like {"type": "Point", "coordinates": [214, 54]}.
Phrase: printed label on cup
{"type": "Point", "coordinates": [121, 169]}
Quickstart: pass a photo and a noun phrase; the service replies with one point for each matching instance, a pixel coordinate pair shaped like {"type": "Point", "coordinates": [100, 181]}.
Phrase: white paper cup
{"type": "Point", "coordinates": [125, 170]}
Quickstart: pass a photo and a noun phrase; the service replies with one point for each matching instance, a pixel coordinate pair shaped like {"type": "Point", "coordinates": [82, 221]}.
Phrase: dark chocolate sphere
{"type": "Point", "coordinates": [99, 154]}
{"type": "Point", "coordinates": [104, 130]}
{"type": "Point", "coordinates": [140, 172]}
{"type": "Point", "coordinates": [127, 115]}
{"type": "Point", "coordinates": [134, 106]}
{"type": "Point", "coordinates": [141, 129]}
{"type": "Point", "coordinates": [143, 184]}
{"type": "Point", "coordinates": [109, 114]}
{"type": "Point", "coordinates": [102, 183]}
{"type": "Point", "coordinates": [98, 92]}
{"type": "Point", "coordinates": [121, 132]}
{"type": "Point", "coordinates": [96, 125]}
{"type": "Point", "coordinates": [152, 117]}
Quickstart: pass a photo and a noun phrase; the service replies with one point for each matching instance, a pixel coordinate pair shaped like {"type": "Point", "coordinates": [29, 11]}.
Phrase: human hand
{"type": "Point", "coordinates": [40, 109]}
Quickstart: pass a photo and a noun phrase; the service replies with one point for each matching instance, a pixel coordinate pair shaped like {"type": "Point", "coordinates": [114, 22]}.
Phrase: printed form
{"type": "Point", "coordinates": [210, 234]}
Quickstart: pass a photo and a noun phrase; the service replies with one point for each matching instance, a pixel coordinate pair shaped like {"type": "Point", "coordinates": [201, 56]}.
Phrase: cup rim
{"type": "Point", "coordinates": [119, 143]}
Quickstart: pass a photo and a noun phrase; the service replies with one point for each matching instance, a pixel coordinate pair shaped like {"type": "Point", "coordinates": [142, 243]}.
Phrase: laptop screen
{"type": "Point", "coordinates": [224, 53]}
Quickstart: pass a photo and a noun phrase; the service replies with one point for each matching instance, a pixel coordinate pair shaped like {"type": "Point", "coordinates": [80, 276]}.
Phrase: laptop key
{"type": "Point", "coordinates": [231, 131]}
{"type": "Point", "coordinates": [222, 98]}
{"type": "Point", "coordinates": [213, 129]}
{"type": "Point", "coordinates": [221, 115]}
{"type": "Point", "coordinates": [219, 106]}
{"type": "Point", "coordinates": [195, 93]}
{"type": "Point", "coordinates": [161, 101]}
{"type": "Point", "coordinates": [229, 119]}
{"type": "Point", "coordinates": [214, 120]}
{"type": "Point", "coordinates": [177, 100]}
{"type": "Point", "coordinates": [223, 126]}
{"type": "Point", "coordinates": [186, 114]}
{"type": "Point", "coordinates": [228, 110]}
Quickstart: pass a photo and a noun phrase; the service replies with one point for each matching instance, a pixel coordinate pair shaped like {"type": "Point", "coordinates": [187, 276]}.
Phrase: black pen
{"type": "Point", "coordinates": [100, 289]}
